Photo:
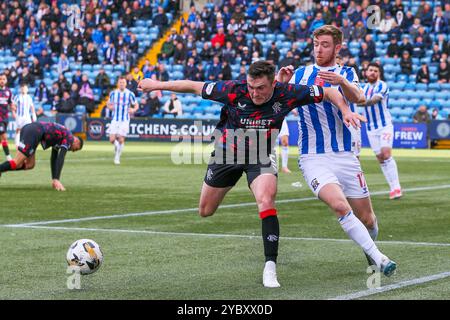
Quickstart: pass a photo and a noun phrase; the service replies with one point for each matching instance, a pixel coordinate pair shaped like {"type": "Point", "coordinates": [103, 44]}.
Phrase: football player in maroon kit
{"type": "Point", "coordinates": [252, 115]}
{"type": "Point", "coordinates": [6, 104]}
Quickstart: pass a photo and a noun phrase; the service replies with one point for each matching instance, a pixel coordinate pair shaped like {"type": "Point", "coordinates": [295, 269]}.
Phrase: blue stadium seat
{"type": "Point", "coordinates": [442, 95]}
{"type": "Point", "coordinates": [434, 86]}
{"type": "Point", "coordinates": [421, 87]}
{"type": "Point", "coordinates": [80, 109]}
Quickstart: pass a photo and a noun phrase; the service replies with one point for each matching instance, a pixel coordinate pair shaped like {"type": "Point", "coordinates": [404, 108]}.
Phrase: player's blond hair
{"type": "Point", "coordinates": [330, 30]}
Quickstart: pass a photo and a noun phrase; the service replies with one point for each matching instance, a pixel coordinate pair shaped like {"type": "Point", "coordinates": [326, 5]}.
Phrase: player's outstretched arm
{"type": "Point", "coordinates": [57, 163]}
{"type": "Point", "coordinates": [350, 118]}
{"type": "Point", "coordinates": [181, 86]}
{"type": "Point", "coordinates": [370, 102]}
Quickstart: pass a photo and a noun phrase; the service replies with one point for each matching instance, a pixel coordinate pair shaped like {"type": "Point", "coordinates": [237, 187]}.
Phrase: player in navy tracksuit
{"type": "Point", "coordinates": [250, 121]}
{"type": "Point", "coordinates": [48, 135]}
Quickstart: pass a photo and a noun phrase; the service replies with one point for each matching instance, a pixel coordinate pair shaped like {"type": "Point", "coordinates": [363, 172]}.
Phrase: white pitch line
{"type": "Point", "coordinates": [402, 284]}
{"type": "Point", "coordinates": [221, 235]}
{"type": "Point", "coordinates": [236, 205]}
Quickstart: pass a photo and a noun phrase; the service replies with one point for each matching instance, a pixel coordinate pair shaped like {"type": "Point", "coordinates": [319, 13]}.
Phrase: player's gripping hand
{"type": "Point", "coordinates": [285, 74]}
{"type": "Point", "coordinates": [331, 77]}
{"type": "Point", "coordinates": [57, 185]}
{"type": "Point", "coordinates": [147, 85]}
{"type": "Point", "coordinates": [353, 119]}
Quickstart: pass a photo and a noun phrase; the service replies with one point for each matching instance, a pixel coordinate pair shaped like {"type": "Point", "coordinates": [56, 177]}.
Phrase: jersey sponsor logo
{"type": "Point", "coordinates": [315, 184]}
{"type": "Point", "coordinates": [241, 106]}
{"type": "Point", "coordinates": [256, 123]}
{"type": "Point", "coordinates": [210, 88]}
{"type": "Point", "coordinates": [277, 107]}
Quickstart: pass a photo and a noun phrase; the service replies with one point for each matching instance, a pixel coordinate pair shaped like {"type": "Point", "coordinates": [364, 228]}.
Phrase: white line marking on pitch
{"type": "Point", "coordinates": [402, 284]}
{"type": "Point", "coordinates": [220, 235]}
{"type": "Point", "coordinates": [237, 205]}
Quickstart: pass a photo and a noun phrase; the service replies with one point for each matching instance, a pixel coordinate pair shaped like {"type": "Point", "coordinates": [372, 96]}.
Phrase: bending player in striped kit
{"type": "Point", "coordinates": [327, 161]}
{"type": "Point", "coordinates": [24, 108]}
{"type": "Point", "coordinates": [380, 129]}
{"type": "Point", "coordinates": [119, 102]}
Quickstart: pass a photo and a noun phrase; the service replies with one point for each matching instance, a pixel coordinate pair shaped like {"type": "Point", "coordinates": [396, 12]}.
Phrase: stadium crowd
{"type": "Point", "coordinates": [43, 36]}
{"type": "Point", "coordinates": [232, 34]}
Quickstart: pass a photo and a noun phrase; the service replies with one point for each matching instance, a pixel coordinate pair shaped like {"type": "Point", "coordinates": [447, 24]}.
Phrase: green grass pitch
{"type": "Point", "coordinates": [178, 255]}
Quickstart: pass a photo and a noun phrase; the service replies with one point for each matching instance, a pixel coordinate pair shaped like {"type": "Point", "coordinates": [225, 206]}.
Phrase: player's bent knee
{"type": "Point", "coordinates": [340, 207]}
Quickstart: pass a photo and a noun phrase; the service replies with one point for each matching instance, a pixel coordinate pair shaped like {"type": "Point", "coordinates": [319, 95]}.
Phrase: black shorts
{"type": "Point", "coordinates": [227, 175]}
{"type": "Point", "coordinates": [30, 137]}
{"type": "Point", "coordinates": [3, 127]}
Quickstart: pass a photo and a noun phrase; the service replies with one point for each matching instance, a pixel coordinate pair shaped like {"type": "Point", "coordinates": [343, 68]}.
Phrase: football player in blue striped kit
{"type": "Point", "coordinates": [380, 129]}
{"type": "Point", "coordinates": [326, 157]}
{"type": "Point", "coordinates": [25, 111]}
{"type": "Point", "coordinates": [120, 102]}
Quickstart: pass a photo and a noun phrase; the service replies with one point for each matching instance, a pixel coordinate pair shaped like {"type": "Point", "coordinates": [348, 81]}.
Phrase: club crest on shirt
{"type": "Point", "coordinates": [241, 106]}
{"type": "Point", "coordinates": [276, 107]}
{"type": "Point", "coordinates": [315, 184]}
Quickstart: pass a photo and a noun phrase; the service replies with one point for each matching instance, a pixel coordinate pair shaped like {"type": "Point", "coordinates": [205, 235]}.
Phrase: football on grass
{"type": "Point", "coordinates": [84, 256]}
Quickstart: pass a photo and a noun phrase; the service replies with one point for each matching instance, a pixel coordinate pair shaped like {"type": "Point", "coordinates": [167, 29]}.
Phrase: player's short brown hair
{"type": "Point", "coordinates": [262, 68]}
{"type": "Point", "coordinates": [329, 30]}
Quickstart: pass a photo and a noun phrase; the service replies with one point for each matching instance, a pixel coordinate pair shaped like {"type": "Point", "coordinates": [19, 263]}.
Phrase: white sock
{"type": "Point", "coordinates": [390, 171]}
{"type": "Point", "coordinates": [120, 149]}
{"type": "Point", "coordinates": [284, 156]}
{"type": "Point", "coordinates": [17, 139]}
{"type": "Point", "coordinates": [359, 233]}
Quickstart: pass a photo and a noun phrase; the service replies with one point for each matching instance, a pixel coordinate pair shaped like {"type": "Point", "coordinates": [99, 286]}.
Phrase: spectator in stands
{"type": "Point", "coordinates": [273, 54]}
{"type": "Point", "coordinates": [5, 39]}
{"type": "Point", "coordinates": [364, 53]}
{"type": "Point", "coordinates": [132, 84]}
{"type": "Point", "coordinates": [425, 37]}
{"type": "Point", "coordinates": [91, 54]}
{"type": "Point", "coordinates": [26, 78]}
{"type": "Point", "coordinates": [426, 14]}
{"type": "Point", "coordinates": [74, 95]}
{"type": "Point", "coordinates": [255, 45]}
{"type": "Point", "coordinates": [162, 74]}
{"type": "Point", "coordinates": [287, 61]}
{"type": "Point", "coordinates": [291, 31]}
{"type": "Point", "coordinates": [303, 32]}
{"type": "Point", "coordinates": [54, 105]}
{"type": "Point", "coordinates": [45, 60]}
{"type": "Point", "coordinates": [154, 103]}
{"type": "Point", "coordinates": [167, 49]}
{"type": "Point", "coordinates": [137, 74]}
{"type": "Point", "coordinates": [262, 23]}
{"type": "Point", "coordinates": [42, 94]}
{"type": "Point", "coordinates": [63, 64]}
{"type": "Point", "coordinates": [219, 37]}
{"type": "Point", "coordinates": [202, 33]}
{"type": "Point", "coordinates": [80, 55]}
{"type": "Point", "coordinates": [406, 45]}
{"type": "Point", "coordinates": [110, 54]}
{"type": "Point", "coordinates": [275, 23]}
{"type": "Point", "coordinates": [387, 23]}
{"type": "Point", "coordinates": [317, 23]}
{"type": "Point", "coordinates": [180, 54]}
{"type": "Point", "coordinates": [421, 115]}
{"type": "Point", "coordinates": [414, 29]}
{"type": "Point", "coordinates": [418, 48]}
{"type": "Point", "coordinates": [63, 84]}
{"type": "Point", "coordinates": [435, 115]}
{"type": "Point", "coordinates": [246, 56]}
{"type": "Point", "coordinates": [190, 70]}
{"type": "Point", "coordinates": [226, 73]}
{"type": "Point", "coordinates": [55, 43]}
{"type": "Point", "coordinates": [86, 95]}
{"type": "Point", "coordinates": [228, 53]}
{"type": "Point", "coordinates": [102, 81]}
{"type": "Point", "coordinates": [214, 69]}
{"type": "Point", "coordinates": [443, 73]}
{"type": "Point", "coordinates": [436, 55]}
{"type": "Point", "coordinates": [173, 106]}
{"type": "Point", "coordinates": [77, 76]}
{"type": "Point", "coordinates": [393, 48]}
{"type": "Point", "coordinates": [423, 75]}
{"type": "Point", "coordinates": [406, 63]}
{"type": "Point", "coordinates": [444, 45]}
{"type": "Point", "coordinates": [242, 73]}
{"type": "Point", "coordinates": [66, 104]}
{"type": "Point", "coordinates": [144, 108]}
{"type": "Point", "coordinates": [36, 69]}
{"type": "Point", "coordinates": [359, 31]}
